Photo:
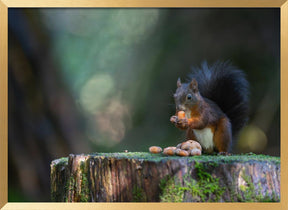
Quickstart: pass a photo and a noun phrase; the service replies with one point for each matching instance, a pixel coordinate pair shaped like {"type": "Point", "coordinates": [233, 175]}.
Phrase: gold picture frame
{"type": "Point", "coordinates": [5, 4]}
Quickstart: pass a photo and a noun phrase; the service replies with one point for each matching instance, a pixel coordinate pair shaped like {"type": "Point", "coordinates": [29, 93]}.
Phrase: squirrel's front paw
{"type": "Point", "coordinates": [173, 119]}
{"type": "Point", "coordinates": [179, 123]}
{"type": "Point", "coordinates": [182, 123]}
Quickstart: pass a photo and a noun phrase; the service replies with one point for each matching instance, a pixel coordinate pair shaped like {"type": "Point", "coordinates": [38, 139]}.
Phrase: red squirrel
{"type": "Point", "coordinates": [215, 102]}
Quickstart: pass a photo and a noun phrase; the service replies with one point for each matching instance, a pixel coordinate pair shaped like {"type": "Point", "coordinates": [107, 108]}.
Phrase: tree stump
{"type": "Point", "coordinates": [144, 177]}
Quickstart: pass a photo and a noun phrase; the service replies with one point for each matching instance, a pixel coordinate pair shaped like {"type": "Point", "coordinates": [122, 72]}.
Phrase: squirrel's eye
{"type": "Point", "coordinates": [189, 97]}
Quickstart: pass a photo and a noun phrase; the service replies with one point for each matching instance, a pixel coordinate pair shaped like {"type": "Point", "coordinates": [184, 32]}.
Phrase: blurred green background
{"type": "Point", "coordinates": [101, 80]}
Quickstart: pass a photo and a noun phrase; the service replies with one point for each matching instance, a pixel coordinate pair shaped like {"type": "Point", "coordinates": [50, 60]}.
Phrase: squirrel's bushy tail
{"type": "Point", "coordinates": [227, 86]}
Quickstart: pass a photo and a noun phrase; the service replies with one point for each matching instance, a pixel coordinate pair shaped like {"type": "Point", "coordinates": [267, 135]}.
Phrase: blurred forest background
{"type": "Point", "coordinates": [101, 80]}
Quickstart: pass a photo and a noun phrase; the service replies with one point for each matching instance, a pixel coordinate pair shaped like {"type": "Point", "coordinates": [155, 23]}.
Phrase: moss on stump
{"type": "Point", "coordinates": [145, 177]}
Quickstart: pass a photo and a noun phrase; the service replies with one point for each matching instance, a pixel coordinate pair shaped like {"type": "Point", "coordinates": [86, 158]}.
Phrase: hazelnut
{"type": "Point", "coordinates": [181, 115]}
{"type": "Point", "coordinates": [191, 144]}
{"type": "Point", "coordinates": [196, 144]}
{"type": "Point", "coordinates": [169, 151]}
{"type": "Point", "coordinates": [155, 149]}
{"type": "Point", "coordinates": [195, 151]}
{"type": "Point", "coordinates": [186, 146]}
{"type": "Point", "coordinates": [190, 141]}
{"type": "Point", "coordinates": [181, 152]}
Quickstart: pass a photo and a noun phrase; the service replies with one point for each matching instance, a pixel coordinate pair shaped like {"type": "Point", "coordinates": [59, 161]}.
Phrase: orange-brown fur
{"type": "Point", "coordinates": [200, 119]}
{"type": "Point", "coordinates": [222, 136]}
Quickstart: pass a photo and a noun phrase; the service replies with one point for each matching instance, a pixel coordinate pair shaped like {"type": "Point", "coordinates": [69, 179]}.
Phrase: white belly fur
{"type": "Point", "coordinates": [205, 138]}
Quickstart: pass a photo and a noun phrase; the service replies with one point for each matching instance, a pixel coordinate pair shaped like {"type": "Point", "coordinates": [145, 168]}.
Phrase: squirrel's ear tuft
{"type": "Point", "coordinates": [194, 85]}
{"type": "Point", "coordinates": [179, 82]}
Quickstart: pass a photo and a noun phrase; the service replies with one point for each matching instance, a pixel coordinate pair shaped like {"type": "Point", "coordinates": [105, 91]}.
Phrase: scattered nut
{"type": "Point", "coordinates": [190, 141]}
{"type": "Point", "coordinates": [155, 149]}
{"type": "Point", "coordinates": [181, 115]}
{"type": "Point", "coordinates": [196, 144]}
{"type": "Point", "coordinates": [177, 150]}
{"type": "Point", "coordinates": [169, 150]}
{"type": "Point", "coordinates": [195, 151]}
{"type": "Point", "coordinates": [191, 144]}
{"type": "Point", "coordinates": [181, 152]}
{"type": "Point", "coordinates": [187, 146]}
{"type": "Point", "coordinates": [178, 146]}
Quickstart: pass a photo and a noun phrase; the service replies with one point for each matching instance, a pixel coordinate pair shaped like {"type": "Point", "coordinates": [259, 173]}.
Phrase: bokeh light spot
{"type": "Point", "coordinates": [252, 139]}
{"type": "Point", "coordinates": [94, 93]}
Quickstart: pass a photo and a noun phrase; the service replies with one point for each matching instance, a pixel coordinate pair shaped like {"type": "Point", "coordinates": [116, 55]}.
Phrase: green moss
{"type": "Point", "coordinates": [171, 191]}
{"type": "Point", "coordinates": [252, 194]}
{"type": "Point", "coordinates": [81, 192]}
{"type": "Point", "coordinates": [58, 168]}
{"type": "Point", "coordinates": [60, 162]}
{"type": "Point", "coordinates": [243, 188]}
{"type": "Point", "coordinates": [248, 190]}
{"type": "Point", "coordinates": [204, 188]}
{"type": "Point", "coordinates": [207, 185]}
{"type": "Point", "coordinates": [203, 158]}
{"type": "Point", "coordinates": [84, 194]}
{"type": "Point", "coordinates": [138, 194]}
{"type": "Point", "coordinates": [69, 188]}
{"type": "Point", "coordinates": [146, 156]}
{"type": "Point", "coordinates": [233, 194]}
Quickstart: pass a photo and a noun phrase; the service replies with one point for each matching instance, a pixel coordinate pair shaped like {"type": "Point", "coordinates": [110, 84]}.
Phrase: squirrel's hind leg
{"type": "Point", "coordinates": [223, 136]}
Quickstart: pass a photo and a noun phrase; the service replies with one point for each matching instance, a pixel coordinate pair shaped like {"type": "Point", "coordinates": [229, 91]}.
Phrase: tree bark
{"type": "Point", "coordinates": [142, 177]}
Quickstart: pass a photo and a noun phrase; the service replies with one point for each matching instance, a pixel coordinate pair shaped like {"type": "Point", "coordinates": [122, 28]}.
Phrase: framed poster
{"type": "Point", "coordinates": [91, 68]}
